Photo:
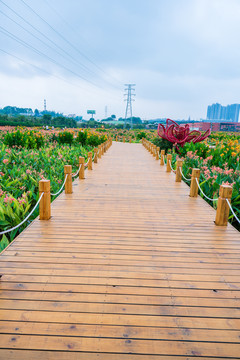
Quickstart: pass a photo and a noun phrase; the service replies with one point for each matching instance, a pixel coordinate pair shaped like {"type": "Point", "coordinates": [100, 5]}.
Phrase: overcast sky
{"type": "Point", "coordinates": [182, 55]}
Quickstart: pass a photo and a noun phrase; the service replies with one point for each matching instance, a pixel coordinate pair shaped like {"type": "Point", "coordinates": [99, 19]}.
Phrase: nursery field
{"type": "Point", "coordinates": [29, 155]}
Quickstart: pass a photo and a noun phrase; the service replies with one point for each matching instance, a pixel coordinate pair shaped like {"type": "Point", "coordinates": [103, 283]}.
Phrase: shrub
{"type": "Point", "coordinates": [141, 135]}
{"type": "Point", "coordinates": [25, 139]}
{"type": "Point", "coordinates": [82, 137]}
{"type": "Point", "coordinates": [163, 144]}
{"type": "Point", "coordinates": [65, 137]}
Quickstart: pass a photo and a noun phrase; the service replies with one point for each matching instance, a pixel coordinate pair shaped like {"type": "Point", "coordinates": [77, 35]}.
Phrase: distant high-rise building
{"type": "Point", "coordinates": [219, 112]}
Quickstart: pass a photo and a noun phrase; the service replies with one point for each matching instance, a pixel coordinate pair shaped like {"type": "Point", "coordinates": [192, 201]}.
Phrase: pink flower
{"type": "Point", "coordinates": [5, 161]}
{"type": "Point", "coordinates": [227, 183]}
{"type": "Point", "coordinates": [6, 199]}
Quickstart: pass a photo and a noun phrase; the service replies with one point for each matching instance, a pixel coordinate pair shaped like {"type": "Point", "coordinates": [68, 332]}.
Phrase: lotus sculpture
{"type": "Point", "coordinates": [180, 134]}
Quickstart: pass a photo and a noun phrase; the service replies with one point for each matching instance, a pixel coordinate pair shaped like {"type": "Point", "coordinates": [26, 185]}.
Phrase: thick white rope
{"type": "Point", "coordinates": [203, 192]}
{"type": "Point", "coordinates": [17, 226]}
{"type": "Point", "coordinates": [73, 175]}
{"type": "Point", "coordinates": [171, 166]}
{"type": "Point", "coordinates": [234, 214]}
{"type": "Point", "coordinates": [61, 186]}
{"type": "Point", "coordinates": [183, 175]}
{"type": "Point", "coordinates": [86, 164]}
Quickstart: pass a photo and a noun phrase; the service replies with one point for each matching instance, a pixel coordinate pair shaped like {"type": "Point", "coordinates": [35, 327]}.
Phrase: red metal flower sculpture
{"type": "Point", "coordinates": [180, 134]}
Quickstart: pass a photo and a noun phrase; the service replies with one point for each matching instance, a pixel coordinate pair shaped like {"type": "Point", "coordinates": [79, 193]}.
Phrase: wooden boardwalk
{"type": "Point", "coordinates": [128, 268]}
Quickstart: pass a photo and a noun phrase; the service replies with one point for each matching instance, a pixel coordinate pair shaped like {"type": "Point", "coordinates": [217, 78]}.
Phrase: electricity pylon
{"type": "Point", "coordinates": [129, 93]}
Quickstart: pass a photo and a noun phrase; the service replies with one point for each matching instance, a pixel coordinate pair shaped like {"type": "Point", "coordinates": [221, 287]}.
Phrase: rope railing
{"type": "Point", "coordinates": [61, 187]}
{"type": "Point", "coordinates": [76, 173]}
{"type": "Point", "coordinates": [233, 212]}
{"type": "Point", "coordinates": [26, 218]}
{"type": "Point", "coordinates": [86, 164]}
{"type": "Point", "coordinates": [203, 192]}
{"type": "Point", "coordinates": [225, 192]}
{"type": "Point", "coordinates": [183, 175]}
{"type": "Point", "coordinates": [170, 163]}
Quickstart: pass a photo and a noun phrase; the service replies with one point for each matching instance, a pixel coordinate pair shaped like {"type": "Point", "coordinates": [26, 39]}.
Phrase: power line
{"type": "Point", "coordinates": [36, 37]}
{"type": "Point", "coordinates": [129, 93]}
{"type": "Point", "coordinates": [38, 68]}
{"type": "Point", "coordinates": [22, 42]}
{"type": "Point", "coordinates": [47, 72]}
{"type": "Point", "coordinates": [85, 68]}
{"type": "Point", "coordinates": [62, 37]}
{"type": "Point", "coordinates": [74, 31]}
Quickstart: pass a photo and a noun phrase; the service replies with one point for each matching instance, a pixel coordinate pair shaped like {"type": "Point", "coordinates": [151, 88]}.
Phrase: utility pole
{"type": "Point", "coordinates": [106, 112]}
{"type": "Point", "coordinates": [45, 105]}
{"type": "Point", "coordinates": [130, 88]}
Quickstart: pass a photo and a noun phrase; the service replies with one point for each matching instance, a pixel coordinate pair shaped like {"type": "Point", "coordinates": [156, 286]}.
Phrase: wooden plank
{"type": "Point", "coordinates": [124, 332]}
{"type": "Point", "coordinates": [126, 320]}
{"type": "Point", "coordinates": [166, 283]}
{"type": "Point", "coordinates": [117, 274]}
{"type": "Point", "coordinates": [169, 309]}
{"type": "Point", "coordinates": [127, 290]}
{"type": "Point", "coordinates": [124, 346]}
{"type": "Point", "coordinates": [61, 355]}
{"type": "Point", "coordinates": [119, 299]}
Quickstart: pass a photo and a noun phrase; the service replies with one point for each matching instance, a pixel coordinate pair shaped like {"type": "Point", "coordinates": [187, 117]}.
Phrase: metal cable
{"type": "Point", "coordinates": [203, 192]}
{"type": "Point", "coordinates": [234, 214]}
{"type": "Point", "coordinates": [183, 175]}
{"type": "Point", "coordinates": [61, 186]}
{"type": "Point", "coordinates": [17, 226]}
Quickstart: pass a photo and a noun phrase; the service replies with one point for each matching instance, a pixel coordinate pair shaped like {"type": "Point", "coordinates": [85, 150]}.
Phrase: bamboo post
{"type": "Point", "coordinates": [178, 172]}
{"type": "Point", "coordinates": [124, 139]}
{"type": "Point", "coordinates": [68, 183]}
{"type": "Point", "coordinates": [169, 159]}
{"type": "Point", "coordinates": [81, 171]}
{"type": "Point", "coordinates": [96, 155]}
{"type": "Point", "coordinates": [102, 147]}
{"type": "Point", "coordinates": [116, 138]}
{"type": "Point", "coordinates": [157, 152]}
{"type": "Point", "coordinates": [130, 140]}
{"type": "Point", "coordinates": [194, 186]}
{"type": "Point", "coordinates": [45, 202]}
{"type": "Point", "coordinates": [90, 160]}
{"type": "Point", "coordinates": [222, 212]}
{"type": "Point", "coordinates": [162, 157]}
{"type": "Point", "coordinates": [99, 151]}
